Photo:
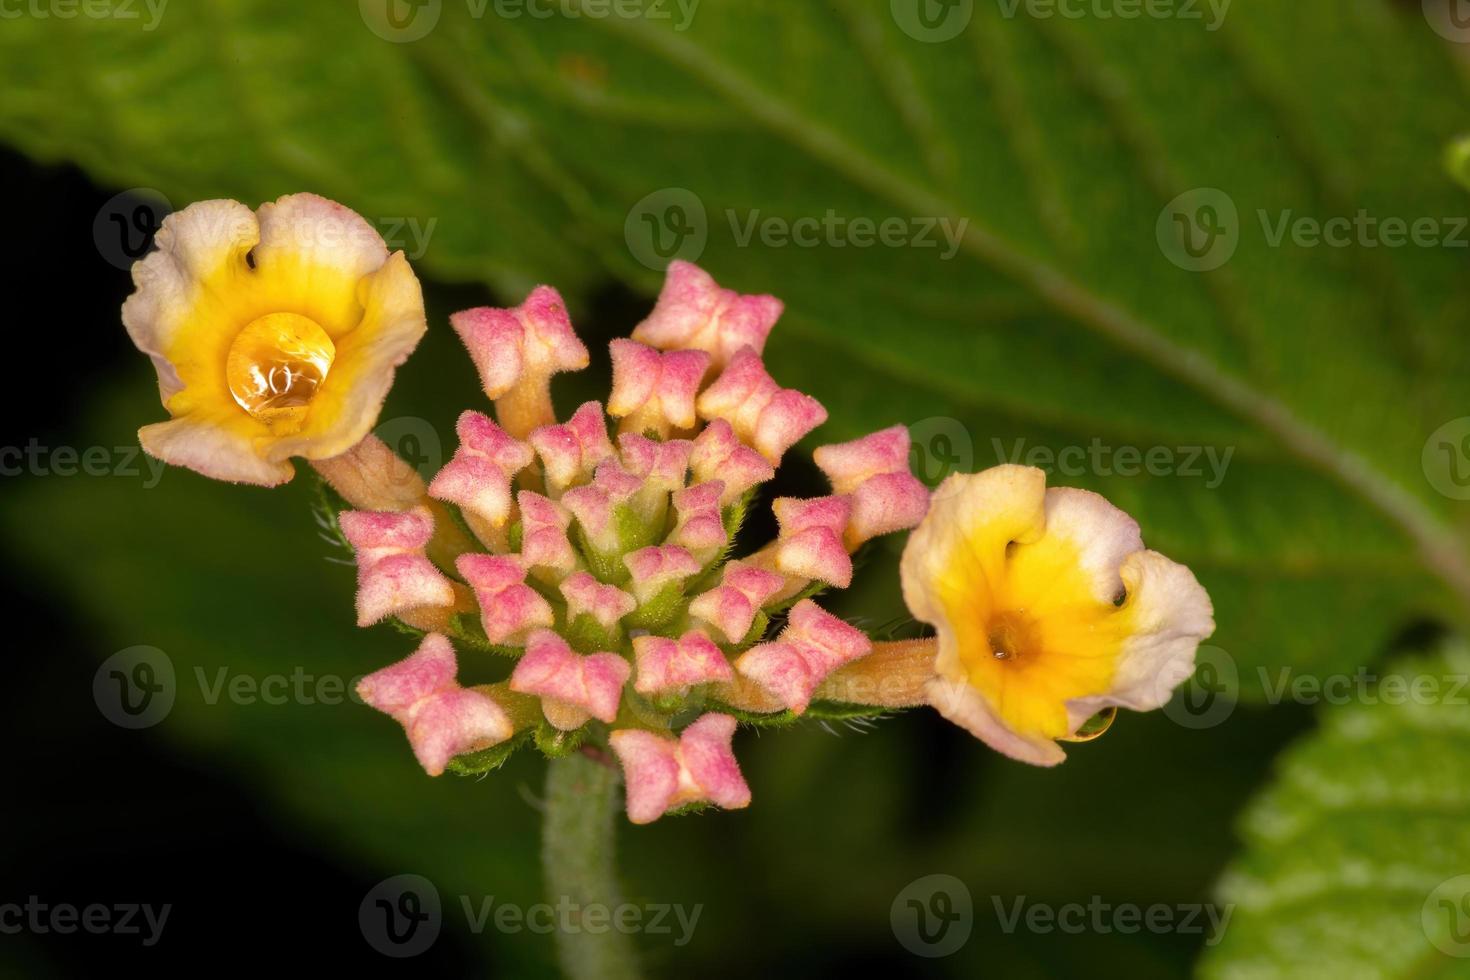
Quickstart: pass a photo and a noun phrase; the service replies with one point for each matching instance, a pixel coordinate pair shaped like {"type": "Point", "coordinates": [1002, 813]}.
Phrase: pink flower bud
{"type": "Point", "coordinates": [731, 606]}
{"type": "Point", "coordinates": [763, 414]}
{"type": "Point", "coordinates": [478, 478]}
{"type": "Point", "coordinates": [693, 312]}
{"type": "Point", "coordinates": [810, 545]}
{"type": "Point", "coordinates": [591, 684]}
{"type": "Point", "coordinates": [528, 342]}
{"type": "Point", "coordinates": [595, 504]}
{"type": "Point", "coordinates": [544, 541]}
{"type": "Point", "coordinates": [655, 567]}
{"type": "Point", "coordinates": [667, 665]}
{"type": "Point", "coordinates": [654, 391]}
{"type": "Point", "coordinates": [663, 773]}
{"type": "Point", "coordinates": [663, 465]}
{"type": "Point", "coordinates": [720, 455]}
{"type": "Point", "coordinates": [509, 608]}
{"type": "Point", "coordinates": [814, 644]}
{"type": "Point", "coordinates": [441, 718]}
{"type": "Point", "coordinates": [393, 573]}
{"type": "Point", "coordinates": [570, 452]}
{"type": "Point", "coordinates": [604, 603]}
{"type": "Point", "coordinates": [698, 525]}
{"type": "Point", "coordinates": [874, 471]}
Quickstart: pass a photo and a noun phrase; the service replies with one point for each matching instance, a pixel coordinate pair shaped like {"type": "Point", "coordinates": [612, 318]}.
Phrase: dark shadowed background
{"type": "Point", "coordinates": [1116, 284]}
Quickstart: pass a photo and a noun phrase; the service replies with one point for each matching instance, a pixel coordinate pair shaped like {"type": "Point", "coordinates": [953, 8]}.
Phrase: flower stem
{"type": "Point", "coordinates": [578, 853]}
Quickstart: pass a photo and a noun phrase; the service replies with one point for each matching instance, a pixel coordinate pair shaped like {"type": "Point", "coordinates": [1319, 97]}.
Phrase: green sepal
{"type": "Point", "coordinates": [488, 760]}
{"type": "Point", "coordinates": [659, 611]}
{"type": "Point", "coordinates": [586, 635]}
{"type": "Point", "coordinates": [634, 531]}
{"type": "Point", "coordinates": [816, 711]}
{"type": "Point", "coordinates": [555, 743]}
{"type": "Point", "coordinates": [607, 567]}
{"type": "Point", "coordinates": [469, 630]}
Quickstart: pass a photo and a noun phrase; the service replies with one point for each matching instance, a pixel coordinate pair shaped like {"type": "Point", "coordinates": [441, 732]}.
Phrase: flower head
{"type": "Point", "coordinates": [604, 568]}
{"type": "Point", "coordinates": [274, 334]}
{"type": "Point", "coordinates": [1048, 610]}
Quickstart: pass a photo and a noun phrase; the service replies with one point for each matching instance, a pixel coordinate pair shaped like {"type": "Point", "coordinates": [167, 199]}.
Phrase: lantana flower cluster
{"type": "Point", "coordinates": [604, 548]}
{"type": "Point", "coordinates": [595, 556]}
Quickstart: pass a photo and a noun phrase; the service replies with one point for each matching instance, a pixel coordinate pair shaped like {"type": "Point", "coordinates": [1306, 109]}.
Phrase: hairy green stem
{"type": "Point", "coordinates": [578, 856]}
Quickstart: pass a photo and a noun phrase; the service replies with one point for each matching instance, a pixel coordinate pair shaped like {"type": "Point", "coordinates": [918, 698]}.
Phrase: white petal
{"type": "Point", "coordinates": [1102, 534]}
{"type": "Point", "coordinates": [192, 244]}
{"type": "Point", "coordinates": [1173, 615]}
{"type": "Point", "coordinates": [215, 449]}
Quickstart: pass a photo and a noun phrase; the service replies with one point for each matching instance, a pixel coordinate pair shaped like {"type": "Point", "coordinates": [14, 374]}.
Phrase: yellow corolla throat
{"type": "Point", "coordinates": [276, 364]}
{"type": "Point", "coordinates": [1030, 634]}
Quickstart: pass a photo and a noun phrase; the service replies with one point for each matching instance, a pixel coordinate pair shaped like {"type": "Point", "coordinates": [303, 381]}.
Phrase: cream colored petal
{"type": "Point", "coordinates": [221, 449]}
{"type": "Point", "coordinates": [1172, 615]}
{"type": "Point", "coordinates": [1102, 535]}
{"type": "Point", "coordinates": [963, 705]}
{"type": "Point", "coordinates": [346, 406]}
{"type": "Point", "coordinates": [959, 546]}
{"type": "Point", "coordinates": [312, 254]}
{"type": "Point", "coordinates": [192, 246]}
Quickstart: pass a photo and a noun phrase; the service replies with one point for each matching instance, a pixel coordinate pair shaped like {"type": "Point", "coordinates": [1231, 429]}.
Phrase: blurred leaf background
{"type": "Point", "coordinates": [585, 149]}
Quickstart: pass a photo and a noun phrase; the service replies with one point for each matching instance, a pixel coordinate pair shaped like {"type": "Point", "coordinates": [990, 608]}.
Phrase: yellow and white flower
{"type": "Point", "coordinates": [1048, 610]}
{"type": "Point", "coordinates": [274, 334]}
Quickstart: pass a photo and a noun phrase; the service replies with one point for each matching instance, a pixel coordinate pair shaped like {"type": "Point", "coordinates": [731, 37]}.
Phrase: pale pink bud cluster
{"type": "Point", "coordinates": [601, 579]}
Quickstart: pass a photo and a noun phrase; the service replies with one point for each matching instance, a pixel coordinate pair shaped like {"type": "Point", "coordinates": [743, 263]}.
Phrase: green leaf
{"type": "Point", "coordinates": [1358, 856]}
{"type": "Point", "coordinates": [1052, 319]}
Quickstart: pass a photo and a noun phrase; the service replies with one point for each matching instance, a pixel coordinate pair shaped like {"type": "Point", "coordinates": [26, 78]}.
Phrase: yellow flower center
{"type": "Point", "coordinates": [1029, 632]}
{"type": "Point", "coordinates": [276, 365]}
{"type": "Point", "coordinates": [1013, 635]}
